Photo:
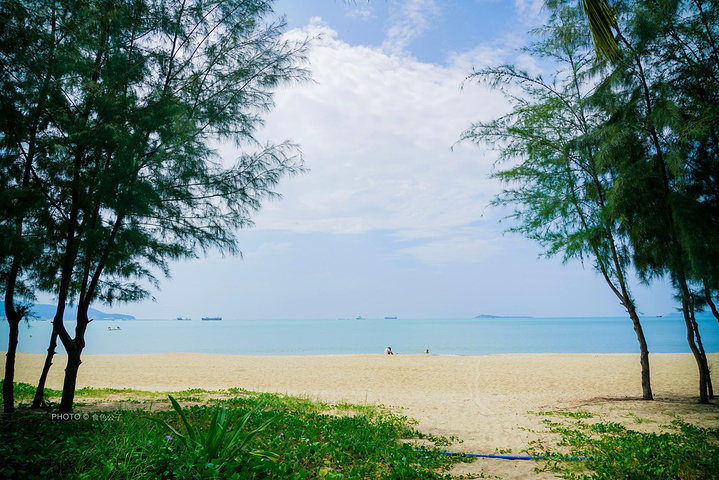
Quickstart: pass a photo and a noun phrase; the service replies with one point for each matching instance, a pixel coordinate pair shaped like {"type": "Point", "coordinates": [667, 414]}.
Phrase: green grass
{"type": "Point", "coordinates": [25, 393]}
{"type": "Point", "coordinates": [314, 440]}
{"type": "Point", "coordinates": [681, 451]}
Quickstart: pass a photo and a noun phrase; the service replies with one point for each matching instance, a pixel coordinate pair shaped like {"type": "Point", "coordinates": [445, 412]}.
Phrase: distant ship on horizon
{"type": "Point", "coordinates": [184, 319]}
{"type": "Point", "coordinates": [390, 318]}
{"type": "Point", "coordinates": [211, 318]}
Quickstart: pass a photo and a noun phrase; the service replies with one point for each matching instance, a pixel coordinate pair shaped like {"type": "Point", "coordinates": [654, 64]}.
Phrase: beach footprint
{"type": "Point", "coordinates": [477, 394]}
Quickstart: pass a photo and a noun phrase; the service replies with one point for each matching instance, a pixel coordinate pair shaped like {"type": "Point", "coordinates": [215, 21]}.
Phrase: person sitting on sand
{"type": "Point", "coordinates": [388, 351]}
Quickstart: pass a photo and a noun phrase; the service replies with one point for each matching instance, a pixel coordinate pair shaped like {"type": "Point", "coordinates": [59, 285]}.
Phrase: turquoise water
{"type": "Point", "coordinates": [409, 336]}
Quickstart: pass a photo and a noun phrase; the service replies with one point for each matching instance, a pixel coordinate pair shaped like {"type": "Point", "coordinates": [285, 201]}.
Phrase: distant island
{"type": "Point", "coordinates": [501, 316]}
{"type": "Point", "coordinates": [42, 311]}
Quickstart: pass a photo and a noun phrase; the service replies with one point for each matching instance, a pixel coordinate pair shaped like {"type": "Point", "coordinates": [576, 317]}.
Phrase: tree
{"type": "Point", "coordinates": [131, 175]}
{"type": "Point", "coordinates": [650, 141]}
{"type": "Point", "coordinates": [556, 179]}
{"type": "Point", "coordinates": [27, 64]}
{"type": "Point", "coordinates": [691, 45]}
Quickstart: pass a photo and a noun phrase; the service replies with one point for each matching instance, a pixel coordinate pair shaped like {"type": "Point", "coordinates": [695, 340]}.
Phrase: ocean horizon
{"type": "Point", "coordinates": [452, 336]}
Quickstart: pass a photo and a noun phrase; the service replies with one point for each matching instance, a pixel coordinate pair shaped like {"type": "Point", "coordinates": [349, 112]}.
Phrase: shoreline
{"type": "Point", "coordinates": [483, 400]}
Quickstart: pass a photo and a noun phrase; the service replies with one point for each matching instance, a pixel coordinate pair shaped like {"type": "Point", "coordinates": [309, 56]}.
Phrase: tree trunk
{"type": "Point", "coordinates": [710, 302]}
{"type": "Point", "coordinates": [13, 315]}
{"type": "Point", "coordinates": [8, 382]}
{"type": "Point", "coordinates": [703, 393]}
{"type": "Point", "coordinates": [74, 349]}
{"type": "Point", "coordinates": [76, 345]}
{"type": "Point", "coordinates": [643, 355]}
{"type": "Point", "coordinates": [68, 386]}
{"type": "Point", "coordinates": [702, 353]}
{"type": "Point", "coordinates": [39, 400]}
{"type": "Point", "coordinates": [11, 312]}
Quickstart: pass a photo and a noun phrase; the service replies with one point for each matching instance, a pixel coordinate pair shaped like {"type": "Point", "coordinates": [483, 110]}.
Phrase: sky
{"type": "Point", "coordinates": [392, 217]}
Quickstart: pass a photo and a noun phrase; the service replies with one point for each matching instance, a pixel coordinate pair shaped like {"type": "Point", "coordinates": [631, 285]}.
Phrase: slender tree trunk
{"type": "Point", "coordinates": [702, 353]}
{"type": "Point", "coordinates": [58, 321]}
{"type": "Point", "coordinates": [8, 382]}
{"type": "Point", "coordinates": [13, 319]}
{"type": "Point", "coordinates": [39, 400]}
{"type": "Point", "coordinates": [703, 392]}
{"type": "Point", "coordinates": [68, 386]}
{"type": "Point", "coordinates": [643, 354]}
{"type": "Point", "coordinates": [77, 345]}
{"type": "Point", "coordinates": [713, 307]}
{"type": "Point", "coordinates": [622, 293]}
{"type": "Point", "coordinates": [67, 342]}
{"type": "Point", "coordinates": [70, 255]}
{"type": "Point", "coordinates": [710, 301]}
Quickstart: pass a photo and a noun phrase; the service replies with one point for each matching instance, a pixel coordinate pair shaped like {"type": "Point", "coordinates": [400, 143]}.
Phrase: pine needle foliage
{"type": "Point", "coordinates": [549, 155]}
{"type": "Point", "coordinates": [125, 104]}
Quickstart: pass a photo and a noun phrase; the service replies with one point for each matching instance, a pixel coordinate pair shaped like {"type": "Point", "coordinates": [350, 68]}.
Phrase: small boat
{"type": "Point", "coordinates": [183, 319]}
{"type": "Point", "coordinates": [211, 318]}
{"type": "Point", "coordinates": [390, 318]}
{"type": "Point", "coordinates": [359, 317]}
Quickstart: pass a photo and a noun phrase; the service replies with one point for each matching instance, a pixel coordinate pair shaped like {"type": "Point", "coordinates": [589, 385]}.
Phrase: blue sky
{"type": "Point", "coordinates": [390, 219]}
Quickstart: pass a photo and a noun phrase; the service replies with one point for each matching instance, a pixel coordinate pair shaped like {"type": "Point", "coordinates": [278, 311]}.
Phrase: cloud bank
{"type": "Point", "coordinates": [377, 132]}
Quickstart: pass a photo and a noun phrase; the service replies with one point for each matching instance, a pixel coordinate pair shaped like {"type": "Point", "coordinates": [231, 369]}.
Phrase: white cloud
{"type": "Point", "coordinates": [377, 133]}
{"type": "Point", "coordinates": [363, 11]}
{"type": "Point", "coordinates": [409, 20]}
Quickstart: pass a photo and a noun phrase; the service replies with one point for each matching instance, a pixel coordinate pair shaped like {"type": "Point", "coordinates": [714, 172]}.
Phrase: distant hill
{"type": "Point", "coordinates": [45, 311]}
{"type": "Point", "coordinates": [500, 316]}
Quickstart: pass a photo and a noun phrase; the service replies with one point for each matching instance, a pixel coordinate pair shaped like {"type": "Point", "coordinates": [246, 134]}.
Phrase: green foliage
{"type": "Point", "coordinates": [617, 163]}
{"type": "Point", "coordinates": [572, 414]}
{"type": "Point", "coordinates": [682, 451]}
{"type": "Point", "coordinates": [313, 440]}
{"type": "Point", "coordinates": [549, 156]}
{"type": "Point", "coordinates": [96, 392]}
{"type": "Point", "coordinates": [114, 113]}
{"type": "Point", "coordinates": [24, 392]}
{"type": "Point", "coordinates": [551, 165]}
{"type": "Point", "coordinates": [212, 447]}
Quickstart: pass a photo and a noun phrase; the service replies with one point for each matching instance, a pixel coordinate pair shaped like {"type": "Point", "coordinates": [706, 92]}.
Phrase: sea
{"type": "Point", "coordinates": [450, 336]}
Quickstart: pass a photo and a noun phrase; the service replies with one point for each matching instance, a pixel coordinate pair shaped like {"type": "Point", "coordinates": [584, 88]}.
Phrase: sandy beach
{"type": "Point", "coordinates": [482, 400]}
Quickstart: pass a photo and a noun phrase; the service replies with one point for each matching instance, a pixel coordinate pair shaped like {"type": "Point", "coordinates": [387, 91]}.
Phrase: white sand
{"type": "Point", "coordinates": [481, 399]}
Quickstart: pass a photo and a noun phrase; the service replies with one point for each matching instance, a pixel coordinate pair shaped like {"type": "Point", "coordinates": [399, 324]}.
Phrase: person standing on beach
{"type": "Point", "coordinates": [388, 351]}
